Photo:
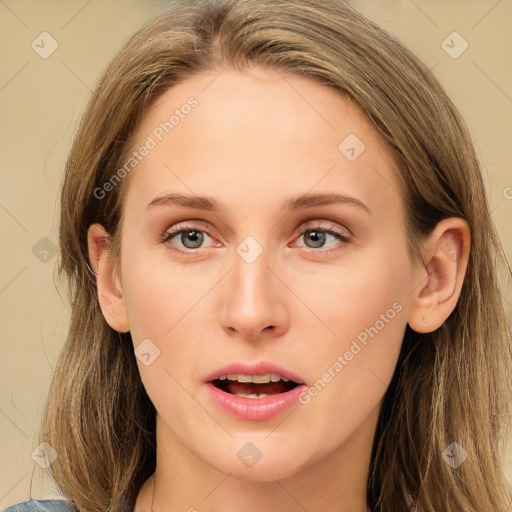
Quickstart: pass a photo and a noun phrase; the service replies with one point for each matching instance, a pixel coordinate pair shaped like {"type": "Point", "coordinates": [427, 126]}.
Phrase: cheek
{"type": "Point", "coordinates": [366, 314]}
{"type": "Point", "coordinates": [157, 294]}
{"type": "Point", "coordinates": [372, 290]}
{"type": "Point", "coordinates": [151, 307]}
{"type": "Point", "coordinates": [163, 304]}
{"type": "Point", "coordinates": [159, 306]}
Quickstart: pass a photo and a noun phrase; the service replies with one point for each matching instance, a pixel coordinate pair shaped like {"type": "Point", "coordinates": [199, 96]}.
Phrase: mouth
{"type": "Point", "coordinates": [254, 386]}
{"type": "Point", "coordinates": [254, 391]}
{"type": "Point", "coordinates": [254, 396]}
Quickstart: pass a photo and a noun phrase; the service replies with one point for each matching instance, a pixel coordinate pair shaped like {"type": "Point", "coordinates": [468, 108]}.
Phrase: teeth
{"type": "Point", "coordinates": [252, 395]}
{"type": "Point", "coordinates": [257, 379]}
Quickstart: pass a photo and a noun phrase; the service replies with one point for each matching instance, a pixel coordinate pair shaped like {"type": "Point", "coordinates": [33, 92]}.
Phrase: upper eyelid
{"type": "Point", "coordinates": [202, 226]}
{"type": "Point", "coordinates": [319, 224]}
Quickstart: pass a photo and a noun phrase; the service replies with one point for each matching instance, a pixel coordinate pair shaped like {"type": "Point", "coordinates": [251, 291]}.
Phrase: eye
{"type": "Point", "coordinates": [316, 237]}
{"type": "Point", "coordinates": [191, 237]}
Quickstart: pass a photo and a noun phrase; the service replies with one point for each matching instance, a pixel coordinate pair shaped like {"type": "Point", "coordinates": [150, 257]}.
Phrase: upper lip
{"type": "Point", "coordinates": [254, 368]}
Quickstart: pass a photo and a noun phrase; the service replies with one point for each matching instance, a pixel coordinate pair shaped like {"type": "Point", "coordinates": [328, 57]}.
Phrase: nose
{"type": "Point", "coordinates": [254, 300]}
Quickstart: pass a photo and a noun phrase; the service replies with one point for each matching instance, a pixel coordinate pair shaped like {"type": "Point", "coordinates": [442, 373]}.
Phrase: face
{"type": "Point", "coordinates": [319, 288]}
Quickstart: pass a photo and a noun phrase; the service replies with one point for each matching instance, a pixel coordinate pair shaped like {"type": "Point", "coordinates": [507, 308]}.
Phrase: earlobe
{"type": "Point", "coordinates": [110, 295]}
{"type": "Point", "coordinates": [445, 257]}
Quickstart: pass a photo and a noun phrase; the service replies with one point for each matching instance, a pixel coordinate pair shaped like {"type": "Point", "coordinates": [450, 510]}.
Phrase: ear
{"type": "Point", "coordinates": [110, 295]}
{"type": "Point", "coordinates": [445, 256]}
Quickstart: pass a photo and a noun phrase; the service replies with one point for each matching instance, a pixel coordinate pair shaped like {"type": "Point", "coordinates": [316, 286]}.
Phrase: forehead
{"type": "Point", "coordinates": [247, 137]}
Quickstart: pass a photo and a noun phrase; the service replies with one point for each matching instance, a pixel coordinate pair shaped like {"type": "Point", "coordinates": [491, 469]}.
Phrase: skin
{"type": "Point", "coordinates": [255, 140]}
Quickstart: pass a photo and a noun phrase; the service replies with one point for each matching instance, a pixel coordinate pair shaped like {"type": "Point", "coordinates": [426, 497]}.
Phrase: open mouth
{"type": "Point", "coordinates": [242, 385]}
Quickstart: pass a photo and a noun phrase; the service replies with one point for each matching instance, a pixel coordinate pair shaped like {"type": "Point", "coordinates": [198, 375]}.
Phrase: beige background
{"type": "Point", "coordinates": [41, 100]}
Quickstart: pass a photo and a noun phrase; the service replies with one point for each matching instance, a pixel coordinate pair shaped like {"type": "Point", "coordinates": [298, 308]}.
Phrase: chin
{"type": "Point", "coordinates": [255, 461]}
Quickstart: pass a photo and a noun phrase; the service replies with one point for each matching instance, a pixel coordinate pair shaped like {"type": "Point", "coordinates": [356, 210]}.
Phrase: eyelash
{"type": "Point", "coordinates": [170, 234]}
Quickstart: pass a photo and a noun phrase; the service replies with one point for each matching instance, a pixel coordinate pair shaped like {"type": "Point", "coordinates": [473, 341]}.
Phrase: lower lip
{"type": "Point", "coordinates": [255, 409]}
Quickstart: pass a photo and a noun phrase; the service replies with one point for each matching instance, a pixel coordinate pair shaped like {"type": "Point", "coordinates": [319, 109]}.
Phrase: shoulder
{"type": "Point", "coordinates": [41, 506]}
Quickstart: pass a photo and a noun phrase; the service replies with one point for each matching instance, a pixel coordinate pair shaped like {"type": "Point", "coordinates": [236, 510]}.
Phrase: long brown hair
{"type": "Point", "coordinates": [449, 385]}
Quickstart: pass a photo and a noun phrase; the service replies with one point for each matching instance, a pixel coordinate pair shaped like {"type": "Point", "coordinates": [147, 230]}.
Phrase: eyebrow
{"type": "Point", "coordinates": [298, 203]}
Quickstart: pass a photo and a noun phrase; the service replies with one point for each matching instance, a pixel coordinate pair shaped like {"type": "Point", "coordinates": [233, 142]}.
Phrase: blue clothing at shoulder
{"type": "Point", "coordinates": [41, 506]}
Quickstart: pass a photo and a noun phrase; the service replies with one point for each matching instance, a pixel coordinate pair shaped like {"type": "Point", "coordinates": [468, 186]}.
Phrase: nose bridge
{"type": "Point", "coordinates": [251, 274]}
{"type": "Point", "coordinates": [253, 299]}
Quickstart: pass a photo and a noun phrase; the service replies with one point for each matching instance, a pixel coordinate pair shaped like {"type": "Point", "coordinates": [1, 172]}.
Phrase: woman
{"type": "Point", "coordinates": [284, 277]}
